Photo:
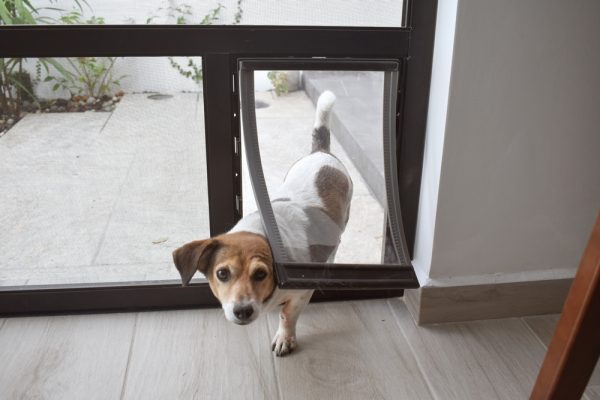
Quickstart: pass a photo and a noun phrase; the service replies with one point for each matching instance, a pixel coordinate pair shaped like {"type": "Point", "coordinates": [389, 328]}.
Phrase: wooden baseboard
{"type": "Point", "coordinates": [430, 305]}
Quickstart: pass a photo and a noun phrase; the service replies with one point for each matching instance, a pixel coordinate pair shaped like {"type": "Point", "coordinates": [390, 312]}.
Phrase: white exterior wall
{"type": "Point", "coordinates": [383, 13]}
{"type": "Point", "coordinates": [156, 75]}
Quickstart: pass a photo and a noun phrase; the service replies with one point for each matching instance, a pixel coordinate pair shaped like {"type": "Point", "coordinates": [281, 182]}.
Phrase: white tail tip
{"type": "Point", "coordinates": [324, 105]}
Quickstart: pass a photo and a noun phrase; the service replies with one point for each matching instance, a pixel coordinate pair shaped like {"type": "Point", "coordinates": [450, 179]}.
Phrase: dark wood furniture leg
{"type": "Point", "coordinates": [574, 349]}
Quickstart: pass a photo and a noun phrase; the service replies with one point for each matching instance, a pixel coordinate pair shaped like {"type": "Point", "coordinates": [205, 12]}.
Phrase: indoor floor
{"type": "Point", "coordinates": [347, 350]}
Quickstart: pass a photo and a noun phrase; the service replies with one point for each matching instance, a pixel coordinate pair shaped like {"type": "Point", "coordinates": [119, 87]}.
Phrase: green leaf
{"type": "Point", "coordinates": [55, 87]}
{"type": "Point", "coordinates": [31, 7]}
{"type": "Point", "coordinates": [12, 63]}
{"type": "Point", "coordinates": [4, 14]}
{"type": "Point", "coordinates": [59, 68]}
{"type": "Point", "coordinates": [18, 84]}
{"type": "Point", "coordinates": [78, 2]}
{"type": "Point", "coordinates": [24, 13]}
{"type": "Point", "coordinates": [43, 63]}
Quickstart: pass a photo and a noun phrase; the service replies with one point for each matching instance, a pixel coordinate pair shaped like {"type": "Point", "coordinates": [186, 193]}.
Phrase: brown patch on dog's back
{"type": "Point", "coordinates": [333, 186]}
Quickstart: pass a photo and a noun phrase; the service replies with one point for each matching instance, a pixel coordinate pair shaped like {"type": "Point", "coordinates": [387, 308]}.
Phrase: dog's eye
{"type": "Point", "coordinates": [223, 274]}
{"type": "Point", "coordinates": [259, 275]}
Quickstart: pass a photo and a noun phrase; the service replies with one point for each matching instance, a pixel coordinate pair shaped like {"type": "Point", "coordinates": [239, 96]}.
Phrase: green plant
{"type": "Point", "coordinates": [12, 89]}
{"type": "Point", "coordinates": [87, 76]}
{"type": "Point", "coordinates": [182, 14]}
{"type": "Point", "coordinates": [25, 89]}
{"type": "Point", "coordinates": [279, 81]}
{"type": "Point", "coordinates": [239, 12]}
{"type": "Point", "coordinates": [14, 12]}
{"type": "Point", "coordinates": [212, 16]}
{"type": "Point", "coordinates": [15, 83]}
{"type": "Point", "coordinates": [189, 70]}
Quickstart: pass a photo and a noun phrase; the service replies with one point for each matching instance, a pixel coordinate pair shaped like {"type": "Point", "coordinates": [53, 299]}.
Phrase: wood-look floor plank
{"type": "Point", "coordinates": [492, 359]}
{"type": "Point", "coordinates": [543, 326]}
{"type": "Point", "coordinates": [350, 350]}
{"type": "Point", "coordinates": [64, 357]}
{"type": "Point", "coordinates": [592, 392]}
{"type": "Point", "coordinates": [197, 354]}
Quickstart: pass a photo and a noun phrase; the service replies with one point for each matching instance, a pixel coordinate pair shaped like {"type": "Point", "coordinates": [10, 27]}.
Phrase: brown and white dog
{"type": "Point", "coordinates": [311, 208]}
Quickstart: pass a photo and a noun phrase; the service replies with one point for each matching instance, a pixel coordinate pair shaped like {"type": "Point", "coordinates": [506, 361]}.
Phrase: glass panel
{"type": "Point", "coordinates": [387, 13]}
{"type": "Point", "coordinates": [103, 170]}
{"type": "Point", "coordinates": [286, 119]}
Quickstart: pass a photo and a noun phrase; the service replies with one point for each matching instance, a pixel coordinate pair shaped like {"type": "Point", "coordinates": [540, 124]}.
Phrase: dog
{"type": "Point", "coordinates": [311, 208]}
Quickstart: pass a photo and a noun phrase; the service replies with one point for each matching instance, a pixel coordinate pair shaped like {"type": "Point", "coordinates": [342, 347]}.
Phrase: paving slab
{"type": "Point", "coordinates": [101, 196]}
{"type": "Point", "coordinates": [164, 197]}
{"type": "Point", "coordinates": [56, 190]}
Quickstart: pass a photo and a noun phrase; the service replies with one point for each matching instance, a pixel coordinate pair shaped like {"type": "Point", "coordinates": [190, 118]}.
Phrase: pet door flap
{"type": "Point", "coordinates": [325, 177]}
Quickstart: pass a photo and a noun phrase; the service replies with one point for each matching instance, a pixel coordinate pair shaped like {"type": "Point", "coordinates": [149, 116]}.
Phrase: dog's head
{"type": "Point", "coordinates": [239, 269]}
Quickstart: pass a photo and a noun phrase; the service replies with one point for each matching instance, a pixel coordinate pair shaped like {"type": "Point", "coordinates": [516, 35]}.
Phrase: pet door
{"type": "Point", "coordinates": [278, 99]}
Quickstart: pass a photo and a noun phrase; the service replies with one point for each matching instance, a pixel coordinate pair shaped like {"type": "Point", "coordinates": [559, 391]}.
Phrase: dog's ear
{"type": "Point", "coordinates": [194, 256]}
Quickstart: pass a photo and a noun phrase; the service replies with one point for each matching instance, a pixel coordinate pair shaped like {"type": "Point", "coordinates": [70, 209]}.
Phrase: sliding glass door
{"type": "Point", "coordinates": [120, 143]}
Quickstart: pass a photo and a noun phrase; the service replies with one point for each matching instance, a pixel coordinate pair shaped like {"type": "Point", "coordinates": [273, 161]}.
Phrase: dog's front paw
{"type": "Point", "coordinates": [283, 344]}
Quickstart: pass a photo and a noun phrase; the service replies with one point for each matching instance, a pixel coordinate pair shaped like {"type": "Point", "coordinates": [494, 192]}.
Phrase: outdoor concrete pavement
{"type": "Point", "coordinates": [96, 197]}
{"type": "Point", "coordinates": [106, 197]}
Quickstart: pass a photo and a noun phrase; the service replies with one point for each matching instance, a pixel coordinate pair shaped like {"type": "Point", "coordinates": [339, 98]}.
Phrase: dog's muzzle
{"type": "Point", "coordinates": [241, 313]}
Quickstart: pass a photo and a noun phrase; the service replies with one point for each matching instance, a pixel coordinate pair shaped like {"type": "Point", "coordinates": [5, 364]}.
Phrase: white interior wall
{"type": "Point", "coordinates": [434, 138]}
{"type": "Point", "coordinates": [520, 175]}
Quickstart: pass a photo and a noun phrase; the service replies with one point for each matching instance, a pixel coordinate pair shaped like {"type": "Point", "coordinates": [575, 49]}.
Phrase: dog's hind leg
{"type": "Point", "coordinates": [284, 341]}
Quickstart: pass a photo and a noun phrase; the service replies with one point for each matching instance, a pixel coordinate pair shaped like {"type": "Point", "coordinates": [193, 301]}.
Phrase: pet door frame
{"type": "Point", "coordinates": [297, 275]}
{"type": "Point", "coordinates": [220, 48]}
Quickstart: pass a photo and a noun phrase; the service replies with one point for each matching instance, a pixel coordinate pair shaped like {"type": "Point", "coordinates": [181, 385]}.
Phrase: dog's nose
{"type": "Point", "coordinates": [243, 313]}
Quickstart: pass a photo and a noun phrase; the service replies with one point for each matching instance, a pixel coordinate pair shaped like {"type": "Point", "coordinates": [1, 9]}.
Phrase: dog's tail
{"type": "Point", "coordinates": [321, 134]}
